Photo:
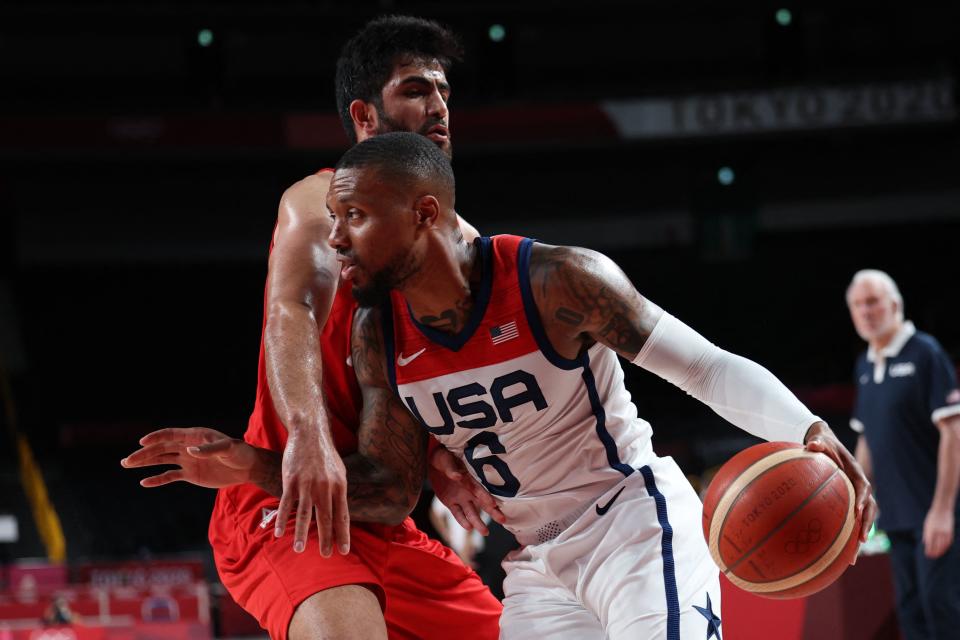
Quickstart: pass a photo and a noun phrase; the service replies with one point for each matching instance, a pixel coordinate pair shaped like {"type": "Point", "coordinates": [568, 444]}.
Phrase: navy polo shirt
{"type": "Point", "coordinates": [901, 392]}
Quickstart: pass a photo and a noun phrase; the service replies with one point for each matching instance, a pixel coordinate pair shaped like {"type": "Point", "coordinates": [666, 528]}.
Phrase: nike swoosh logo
{"type": "Point", "coordinates": [405, 361]}
{"type": "Point", "coordinates": [602, 510]}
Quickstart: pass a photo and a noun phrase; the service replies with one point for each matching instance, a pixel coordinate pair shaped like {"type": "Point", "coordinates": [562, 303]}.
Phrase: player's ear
{"type": "Point", "coordinates": [366, 120]}
{"type": "Point", "coordinates": [428, 211]}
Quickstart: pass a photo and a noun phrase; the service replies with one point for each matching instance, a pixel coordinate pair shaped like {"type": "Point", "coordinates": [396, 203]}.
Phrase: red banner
{"type": "Point", "coordinates": [140, 574]}
{"type": "Point", "coordinates": [154, 631]}
{"type": "Point", "coordinates": [124, 606]}
{"type": "Point", "coordinates": [38, 576]}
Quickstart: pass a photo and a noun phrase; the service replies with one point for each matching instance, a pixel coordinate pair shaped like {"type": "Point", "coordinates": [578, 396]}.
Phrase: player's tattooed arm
{"type": "Point", "coordinates": [386, 473]}
{"type": "Point", "coordinates": [583, 297]}
{"type": "Point", "coordinates": [372, 492]}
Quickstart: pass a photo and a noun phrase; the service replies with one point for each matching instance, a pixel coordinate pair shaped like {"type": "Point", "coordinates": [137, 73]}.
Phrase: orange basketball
{"type": "Point", "coordinates": [780, 520]}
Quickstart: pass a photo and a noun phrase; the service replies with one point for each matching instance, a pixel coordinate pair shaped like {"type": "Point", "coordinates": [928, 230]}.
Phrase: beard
{"type": "Point", "coordinates": [389, 125]}
{"type": "Point", "coordinates": [376, 292]}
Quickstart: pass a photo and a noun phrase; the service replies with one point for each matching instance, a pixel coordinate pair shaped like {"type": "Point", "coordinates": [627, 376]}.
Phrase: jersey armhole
{"type": "Point", "coordinates": [533, 314]}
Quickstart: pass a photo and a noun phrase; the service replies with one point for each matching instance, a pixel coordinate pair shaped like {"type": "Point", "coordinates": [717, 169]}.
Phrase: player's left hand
{"type": "Point", "coordinates": [937, 532]}
{"type": "Point", "coordinates": [460, 493]}
{"type": "Point", "coordinates": [821, 438]}
{"type": "Point", "coordinates": [204, 457]}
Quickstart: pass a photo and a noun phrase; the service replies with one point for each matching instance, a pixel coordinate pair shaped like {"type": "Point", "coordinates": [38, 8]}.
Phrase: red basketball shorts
{"type": "Point", "coordinates": [424, 589]}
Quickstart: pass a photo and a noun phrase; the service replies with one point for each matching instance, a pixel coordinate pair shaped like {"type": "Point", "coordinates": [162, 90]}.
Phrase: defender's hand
{"type": "Point", "coordinates": [314, 477]}
{"type": "Point", "coordinates": [205, 457]}
{"type": "Point", "coordinates": [460, 493]}
{"type": "Point", "coordinates": [821, 438]}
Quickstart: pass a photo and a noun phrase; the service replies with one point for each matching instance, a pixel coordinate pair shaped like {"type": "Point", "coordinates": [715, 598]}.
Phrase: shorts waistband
{"type": "Point", "coordinates": [552, 529]}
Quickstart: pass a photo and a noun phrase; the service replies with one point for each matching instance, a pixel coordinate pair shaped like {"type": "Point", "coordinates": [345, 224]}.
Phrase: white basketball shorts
{"type": "Point", "coordinates": [634, 565]}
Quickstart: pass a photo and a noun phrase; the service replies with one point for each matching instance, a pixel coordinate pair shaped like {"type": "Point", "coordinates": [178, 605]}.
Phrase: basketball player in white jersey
{"type": "Point", "coordinates": [506, 351]}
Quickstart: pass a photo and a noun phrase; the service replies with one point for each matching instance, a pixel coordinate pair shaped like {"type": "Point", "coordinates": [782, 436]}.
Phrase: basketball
{"type": "Point", "coordinates": [780, 520]}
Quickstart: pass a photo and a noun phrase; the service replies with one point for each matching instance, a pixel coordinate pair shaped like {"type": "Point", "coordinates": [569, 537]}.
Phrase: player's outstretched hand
{"type": "Point", "coordinates": [821, 438]}
{"type": "Point", "coordinates": [205, 457]}
{"type": "Point", "coordinates": [314, 478]}
{"type": "Point", "coordinates": [460, 493]}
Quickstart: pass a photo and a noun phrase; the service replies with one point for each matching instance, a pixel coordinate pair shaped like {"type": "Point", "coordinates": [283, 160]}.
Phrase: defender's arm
{"type": "Point", "coordinates": [301, 284]}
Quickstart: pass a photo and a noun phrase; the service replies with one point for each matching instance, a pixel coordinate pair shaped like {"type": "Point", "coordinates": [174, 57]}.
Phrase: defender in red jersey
{"type": "Point", "coordinates": [356, 461]}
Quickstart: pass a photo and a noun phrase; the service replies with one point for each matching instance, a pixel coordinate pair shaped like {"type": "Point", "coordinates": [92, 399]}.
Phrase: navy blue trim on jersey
{"type": "Point", "coordinates": [613, 456]}
{"type": "Point", "coordinates": [386, 325]}
{"type": "Point", "coordinates": [455, 341]}
{"type": "Point", "coordinates": [666, 549]}
{"type": "Point", "coordinates": [533, 314]}
{"type": "Point", "coordinates": [567, 364]}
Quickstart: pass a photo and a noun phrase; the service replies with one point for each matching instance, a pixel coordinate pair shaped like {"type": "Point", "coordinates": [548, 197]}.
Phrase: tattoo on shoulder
{"type": "Point", "coordinates": [544, 267]}
{"type": "Point", "coordinates": [591, 294]}
{"type": "Point", "coordinates": [621, 334]}
{"type": "Point", "coordinates": [569, 316]}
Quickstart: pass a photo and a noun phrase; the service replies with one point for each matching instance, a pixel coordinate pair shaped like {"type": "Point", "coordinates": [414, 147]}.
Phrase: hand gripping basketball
{"type": "Point", "coordinates": [781, 521]}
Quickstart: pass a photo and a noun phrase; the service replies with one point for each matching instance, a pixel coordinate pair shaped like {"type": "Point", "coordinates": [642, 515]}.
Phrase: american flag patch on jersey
{"type": "Point", "coordinates": [504, 332]}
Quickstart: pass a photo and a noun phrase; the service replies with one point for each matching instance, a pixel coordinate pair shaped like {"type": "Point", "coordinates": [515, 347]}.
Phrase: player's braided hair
{"type": "Point", "coordinates": [367, 59]}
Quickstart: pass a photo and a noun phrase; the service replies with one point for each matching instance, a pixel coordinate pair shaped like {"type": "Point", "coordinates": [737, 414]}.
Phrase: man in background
{"type": "Point", "coordinates": [907, 412]}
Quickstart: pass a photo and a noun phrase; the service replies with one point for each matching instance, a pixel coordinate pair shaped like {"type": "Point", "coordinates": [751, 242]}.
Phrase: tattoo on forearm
{"type": "Point", "coordinates": [384, 481]}
{"type": "Point", "coordinates": [369, 492]}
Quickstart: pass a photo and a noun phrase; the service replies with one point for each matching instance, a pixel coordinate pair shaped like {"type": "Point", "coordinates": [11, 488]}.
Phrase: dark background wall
{"type": "Point", "coordinates": [140, 171]}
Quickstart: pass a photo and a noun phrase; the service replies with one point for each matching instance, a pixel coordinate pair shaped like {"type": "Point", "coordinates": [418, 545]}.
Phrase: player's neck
{"type": "Point", "coordinates": [441, 294]}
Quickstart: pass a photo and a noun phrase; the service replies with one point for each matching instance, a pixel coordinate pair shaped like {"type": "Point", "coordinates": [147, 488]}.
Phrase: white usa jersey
{"type": "Point", "coordinates": [546, 435]}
